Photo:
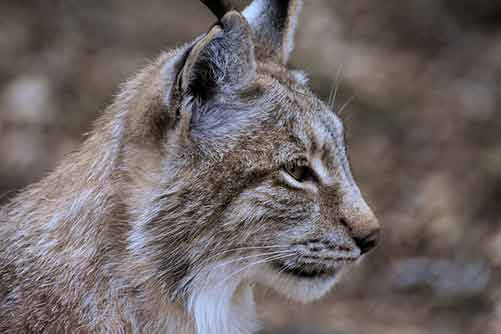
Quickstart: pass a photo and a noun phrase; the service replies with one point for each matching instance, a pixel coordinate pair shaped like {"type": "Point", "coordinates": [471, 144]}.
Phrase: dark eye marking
{"type": "Point", "coordinates": [301, 172]}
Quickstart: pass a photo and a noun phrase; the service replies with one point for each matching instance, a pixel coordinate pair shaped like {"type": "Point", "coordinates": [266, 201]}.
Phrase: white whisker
{"type": "Point", "coordinates": [271, 258]}
{"type": "Point", "coordinates": [243, 248]}
{"type": "Point", "coordinates": [253, 256]}
{"type": "Point", "coordinates": [345, 105]}
{"type": "Point", "coordinates": [332, 101]}
{"type": "Point", "coordinates": [220, 265]}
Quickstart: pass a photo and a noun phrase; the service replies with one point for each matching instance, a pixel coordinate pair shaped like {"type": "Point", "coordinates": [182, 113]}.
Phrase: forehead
{"type": "Point", "coordinates": [304, 116]}
{"type": "Point", "coordinates": [310, 120]}
{"type": "Point", "coordinates": [277, 115]}
{"type": "Point", "coordinates": [319, 128]}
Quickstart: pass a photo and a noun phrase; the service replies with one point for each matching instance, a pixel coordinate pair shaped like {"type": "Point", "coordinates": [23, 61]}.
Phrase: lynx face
{"type": "Point", "coordinates": [255, 184]}
{"type": "Point", "coordinates": [289, 204]}
{"type": "Point", "coordinates": [310, 209]}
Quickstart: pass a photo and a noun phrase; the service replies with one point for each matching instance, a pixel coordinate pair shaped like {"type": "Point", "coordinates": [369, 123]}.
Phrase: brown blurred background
{"type": "Point", "coordinates": [424, 130]}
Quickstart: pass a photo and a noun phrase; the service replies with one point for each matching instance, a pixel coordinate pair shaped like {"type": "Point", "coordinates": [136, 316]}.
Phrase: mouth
{"type": "Point", "coordinates": [304, 278]}
{"type": "Point", "coordinates": [306, 270]}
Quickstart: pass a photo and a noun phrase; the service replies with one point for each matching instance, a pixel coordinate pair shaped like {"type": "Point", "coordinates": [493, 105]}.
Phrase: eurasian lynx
{"type": "Point", "coordinates": [215, 168]}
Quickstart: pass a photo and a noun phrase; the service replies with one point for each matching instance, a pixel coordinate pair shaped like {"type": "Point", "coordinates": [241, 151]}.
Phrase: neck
{"type": "Point", "coordinates": [226, 308]}
{"type": "Point", "coordinates": [77, 209]}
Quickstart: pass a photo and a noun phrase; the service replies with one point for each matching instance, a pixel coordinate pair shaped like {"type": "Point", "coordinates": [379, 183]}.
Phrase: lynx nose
{"type": "Point", "coordinates": [368, 242]}
{"type": "Point", "coordinates": [360, 222]}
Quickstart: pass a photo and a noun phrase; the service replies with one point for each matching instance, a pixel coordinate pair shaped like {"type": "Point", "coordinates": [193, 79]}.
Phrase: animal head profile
{"type": "Point", "coordinates": [253, 165]}
{"type": "Point", "coordinates": [216, 168]}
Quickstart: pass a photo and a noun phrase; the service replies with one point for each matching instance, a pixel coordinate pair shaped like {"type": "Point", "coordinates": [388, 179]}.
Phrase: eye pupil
{"type": "Point", "coordinates": [298, 172]}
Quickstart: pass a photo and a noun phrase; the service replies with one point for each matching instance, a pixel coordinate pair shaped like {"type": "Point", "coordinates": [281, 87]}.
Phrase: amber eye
{"type": "Point", "coordinates": [301, 173]}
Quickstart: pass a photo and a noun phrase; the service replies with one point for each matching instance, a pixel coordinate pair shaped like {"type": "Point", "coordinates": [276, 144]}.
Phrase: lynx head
{"type": "Point", "coordinates": [237, 171]}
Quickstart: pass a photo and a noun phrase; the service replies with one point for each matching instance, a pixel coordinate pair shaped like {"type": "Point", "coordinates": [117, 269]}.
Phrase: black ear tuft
{"type": "Point", "coordinates": [274, 25]}
{"type": "Point", "coordinates": [218, 7]}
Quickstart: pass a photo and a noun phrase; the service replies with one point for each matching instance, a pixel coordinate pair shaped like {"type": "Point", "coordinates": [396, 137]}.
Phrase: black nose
{"type": "Point", "coordinates": [368, 242]}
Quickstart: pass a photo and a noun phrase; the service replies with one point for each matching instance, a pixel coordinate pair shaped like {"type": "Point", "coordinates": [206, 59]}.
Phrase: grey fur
{"type": "Point", "coordinates": [170, 211]}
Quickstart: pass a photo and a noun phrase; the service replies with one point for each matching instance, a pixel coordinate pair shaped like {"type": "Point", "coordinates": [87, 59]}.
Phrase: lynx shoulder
{"type": "Point", "coordinates": [215, 168]}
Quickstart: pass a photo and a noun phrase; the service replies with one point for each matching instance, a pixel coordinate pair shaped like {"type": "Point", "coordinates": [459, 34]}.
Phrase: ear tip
{"type": "Point", "coordinates": [218, 7]}
{"type": "Point", "coordinates": [274, 24]}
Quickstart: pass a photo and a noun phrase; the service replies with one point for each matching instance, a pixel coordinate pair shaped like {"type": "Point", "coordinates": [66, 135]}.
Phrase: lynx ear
{"type": "Point", "coordinates": [274, 25]}
{"type": "Point", "coordinates": [223, 60]}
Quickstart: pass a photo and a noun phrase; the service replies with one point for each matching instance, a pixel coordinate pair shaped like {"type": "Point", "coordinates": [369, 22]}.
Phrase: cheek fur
{"type": "Point", "coordinates": [271, 208]}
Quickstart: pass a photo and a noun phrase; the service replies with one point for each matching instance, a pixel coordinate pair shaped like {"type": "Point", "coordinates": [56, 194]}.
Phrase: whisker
{"type": "Point", "coordinates": [331, 94]}
{"type": "Point", "coordinates": [269, 254]}
{"type": "Point", "coordinates": [338, 74]}
{"type": "Point", "coordinates": [345, 105]}
{"type": "Point", "coordinates": [271, 258]}
{"type": "Point", "coordinates": [253, 256]}
{"type": "Point", "coordinates": [244, 248]}
{"type": "Point", "coordinates": [285, 266]}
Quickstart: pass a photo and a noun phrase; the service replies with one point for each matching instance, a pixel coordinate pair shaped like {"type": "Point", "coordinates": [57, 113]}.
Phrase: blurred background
{"type": "Point", "coordinates": [418, 84]}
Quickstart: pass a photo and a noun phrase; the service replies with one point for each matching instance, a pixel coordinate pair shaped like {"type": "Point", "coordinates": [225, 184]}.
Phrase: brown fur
{"type": "Point", "coordinates": [183, 170]}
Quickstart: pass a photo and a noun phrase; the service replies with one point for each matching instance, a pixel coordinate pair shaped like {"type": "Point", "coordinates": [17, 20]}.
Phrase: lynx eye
{"type": "Point", "coordinates": [300, 173]}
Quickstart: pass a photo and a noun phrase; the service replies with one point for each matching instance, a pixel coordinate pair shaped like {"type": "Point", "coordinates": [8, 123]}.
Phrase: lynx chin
{"type": "Point", "coordinates": [215, 168]}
